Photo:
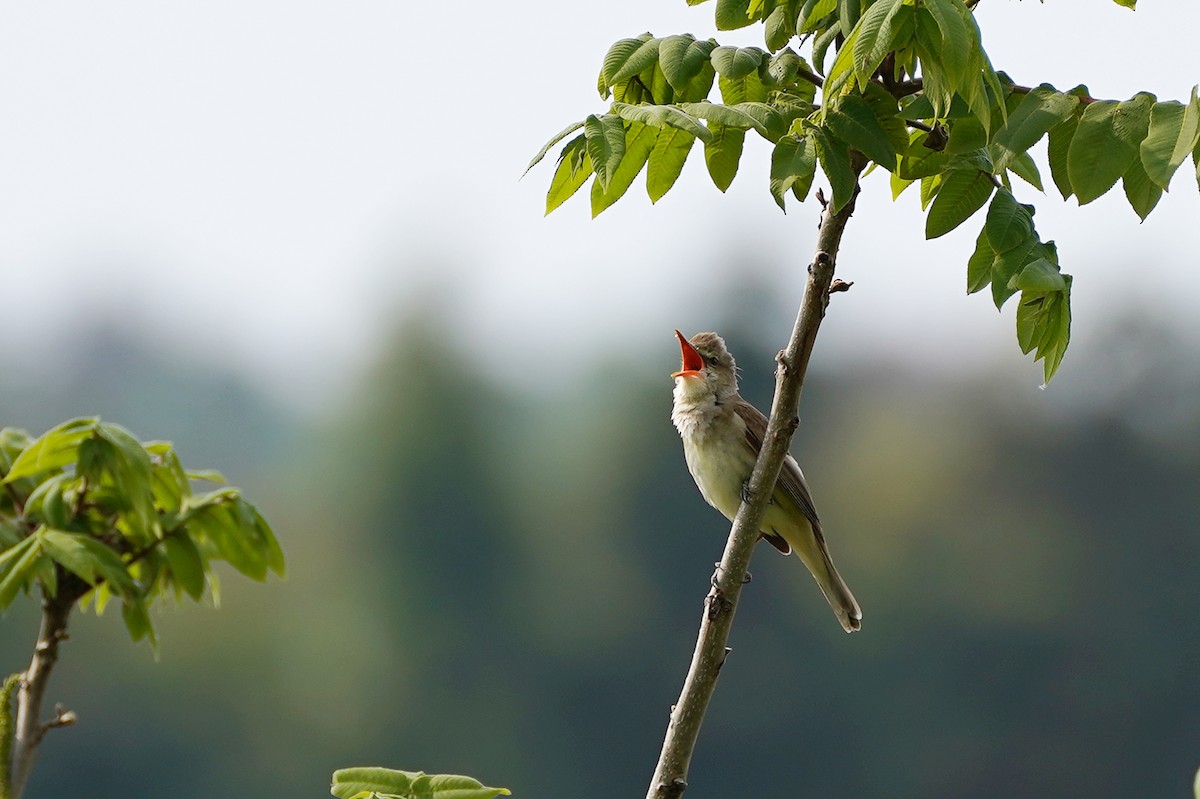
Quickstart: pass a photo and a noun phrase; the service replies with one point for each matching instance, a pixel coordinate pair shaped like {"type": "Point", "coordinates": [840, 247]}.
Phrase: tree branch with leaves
{"type": "Point", "coordinates": [906, 86]}
{"type": "Point", "coordinates": [90, 515]}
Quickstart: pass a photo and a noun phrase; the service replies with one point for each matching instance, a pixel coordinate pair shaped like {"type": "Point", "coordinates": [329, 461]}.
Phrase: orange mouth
{"type": "Point", "coordinates": [693, 364]}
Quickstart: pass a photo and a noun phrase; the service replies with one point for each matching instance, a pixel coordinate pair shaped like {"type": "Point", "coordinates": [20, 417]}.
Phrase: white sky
{"type": "Point", "coordinates": [270, 184]}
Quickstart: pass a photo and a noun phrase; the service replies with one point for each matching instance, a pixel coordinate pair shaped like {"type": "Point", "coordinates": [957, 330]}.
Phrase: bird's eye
{"type": "Point", "coordinates": [711, 360]}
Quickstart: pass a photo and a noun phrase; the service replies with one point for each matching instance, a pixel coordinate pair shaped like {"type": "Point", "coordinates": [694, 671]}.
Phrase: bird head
{"type": "Point", "coordinates": [707, 366]}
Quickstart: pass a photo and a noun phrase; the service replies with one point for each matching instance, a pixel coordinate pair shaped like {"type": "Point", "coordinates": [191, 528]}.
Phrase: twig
{"type": "Point", "coordinates": [810, 76]}
{"type": "Point", "coordinates": [670, 775]}
{"type": "Point", "coordinates": [31, 691]}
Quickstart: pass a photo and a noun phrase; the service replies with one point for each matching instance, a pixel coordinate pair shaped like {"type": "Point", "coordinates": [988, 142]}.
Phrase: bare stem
{"type": "Point", "coordinates": [31, 691]}
{"type": "Point", "coordinates": [687, 715]}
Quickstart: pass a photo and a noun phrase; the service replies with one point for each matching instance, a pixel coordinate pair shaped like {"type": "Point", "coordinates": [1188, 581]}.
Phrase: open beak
{"type": "Point", "coordinates": [693, 364]}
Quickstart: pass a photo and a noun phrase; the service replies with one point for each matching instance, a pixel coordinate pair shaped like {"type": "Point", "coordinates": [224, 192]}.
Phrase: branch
{"type": "Point", "coordinates": [810, 76]}
{"type": "Point", "coordinates": [31, 691]}
{"type": "Point", "coordinates": [670, 775]}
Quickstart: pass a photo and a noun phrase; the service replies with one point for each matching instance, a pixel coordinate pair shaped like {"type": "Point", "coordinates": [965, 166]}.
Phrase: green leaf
{"type": "Point", "coordinates": [131, 471]}
{"type": "Point", "coordinates": [1008, 222]}
{"type": "Point", "coordinates": [208, 475]}
{"type": "Point", "coordinates": [605, 144]}
{"type": "Point", "coordinates": [564, 133]}
{"type": "Point", "coordinates": [170, 482]}
{"type": "Point", "coordinates": [350, 783]}
{"type": "Point", "coordinates": [765, 118]}
{"type": "Point", "coordinates": [89, 558]}
{"type": "Point", "coordinates": [1196, 162]}
{"type": "Point", "coordinates": [966, 135]}
{"type": "Point", "coordinates": [963, 192]}
{"type": "Point", "coordinates": [748, 88]}
{"type": "Point", "coordinates": [53, 450]}
{"type": "Point", "coordinates": [682, 58]}
{"type": "Point", "coordinates": [921, 161]}
{"type": "Point", "coordinates": [991, 91]}
{"type": "Point", "coordinates": [638, 144]}
{"type": "Point", "coordinates": [835, 161]}
{"type": "Point", "coordinates": [1106, 143]}
{"type": "Point", "coordinates": [48, 501]}
{"type": "Point", "coordinates": [1024, 167]}
{"type": "Point", "coordinates": [268, 541]}
{"type": "Point", "coordinates": [821, 45]}
{"type": "Point", "coordinates": [877, 30]}
{"type": "Point", "coordinates": [979, 265]}
{"type": "Point", "coordinates": [814, 11]}
{"type": "Point", "coordinates": [662, 116]}
{"type": "Point", "coordinates": [954, 52]}
{"type": "Point", "coordinates": [222, 527]}
{"type": "Point", "coordinates": [1058, 151]}
{"type": "Point", "coordinates": [937, 87]}
{"type": "Point", "coordinates": [1042, 109]}
{"type": "Point", "coordinates": [186, 563]}
{"type": "Point", "coordinates": [722, 154]}
{"type": "Point", "coordinates": [733, 14]}
{"type": "Point", "coordinates": [137, 619]}
{"type": "Point", "coordinates": [1044, 315]}
{"type": "Point", "coordinates": [793, 166]}
{"type": "Point", "coordinates": [887, 116]}
{"type": "Point", "coordinates": [1126, 3]}
{"type": "Point", "coordinates": [617, 56]}
{"type": "Point", "coordinates": [1007, 264]}
{"type": "Point", "coordinates": [17, 564]}
{"type": "Point", "coordinates": [929, 189]}
{"type": "Point", "coordinates": [898, 184]}
{"type": "Point", "coordinates": [639, 60]}
{"type": "Point", "coordinates": [666, 161]}
{"type": "Point", "coordinates": [1174, 133]}
{"type": "Point", "coordinates": [780, 25]}
{"type": "Point", "coordinates": [1143, 194]}
{"type": "Point", "coordinates": [851, 119]}
{"type": "Point", "coordinates": [849, 12]}
{"type": "Point", "coordinates": [843, 66]}
{"type": "Point", "coordinates": [1039, 275]}
{"type": "Point", "coordinates": [574, 168]}
{"type": "Point", "coordinates": [727, 115]}
{"type": "Point", "coordinates": [737, 62]}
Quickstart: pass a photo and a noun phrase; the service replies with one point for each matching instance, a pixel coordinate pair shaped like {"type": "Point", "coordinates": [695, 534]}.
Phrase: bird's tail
{"type": "Point", "coordinates": [838, 595]}
{"type": "Point", "coordinates": [812, 550]}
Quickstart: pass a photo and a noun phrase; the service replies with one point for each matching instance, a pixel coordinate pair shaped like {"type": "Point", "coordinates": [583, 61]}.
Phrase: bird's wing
{"type": "Point", "coordinates": [791, 479]}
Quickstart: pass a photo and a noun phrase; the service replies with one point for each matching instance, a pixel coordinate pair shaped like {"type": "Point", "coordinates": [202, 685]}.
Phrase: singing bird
{"type": "Point", "coordinates": [722, 435]}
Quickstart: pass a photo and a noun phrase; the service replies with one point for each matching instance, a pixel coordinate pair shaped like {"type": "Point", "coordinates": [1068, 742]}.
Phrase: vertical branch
{"type": "Point", "coordinates": [670, 775]}
{"type": "Point", "coordinates": [31, 690]}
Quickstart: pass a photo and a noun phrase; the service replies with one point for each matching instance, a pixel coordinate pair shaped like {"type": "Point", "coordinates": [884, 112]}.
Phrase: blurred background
{"type": "Point", "coordinates": [291, 238]}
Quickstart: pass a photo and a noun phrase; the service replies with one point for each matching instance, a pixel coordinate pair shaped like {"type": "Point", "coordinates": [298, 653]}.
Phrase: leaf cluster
{"type": "Point", "coordinates": [89, 513]}
{"type": "Point", "coordinates": [909, 88]}
{"type": "Point", "coordinates": [385, 783]}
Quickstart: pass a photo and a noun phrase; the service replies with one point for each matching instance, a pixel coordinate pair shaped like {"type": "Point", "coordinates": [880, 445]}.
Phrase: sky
{"type": "Point", "coordinates": [272, 185]}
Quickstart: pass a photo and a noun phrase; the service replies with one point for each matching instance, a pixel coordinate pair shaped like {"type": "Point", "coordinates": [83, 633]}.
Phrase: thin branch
{"type": "Point", "coordinates": [32, 689]}
{"type": "Point", "coordinates": [810, 76]}
{"type": "Point", "coordinates": [917, 84]}
{"type": "Point", "coordinates": [670, 775]}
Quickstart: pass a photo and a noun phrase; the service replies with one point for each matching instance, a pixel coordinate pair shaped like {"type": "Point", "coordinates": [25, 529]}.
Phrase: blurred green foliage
{"type": "Point", "coordinates": [508, 584]}
{"type": "Point", "coordinates": [88, 513]}
{"type": "Point", "coordinates": [371, 782]}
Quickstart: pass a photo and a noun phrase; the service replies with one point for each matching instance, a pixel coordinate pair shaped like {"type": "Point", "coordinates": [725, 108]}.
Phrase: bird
{"type": "Point", "coordinates": [722, 436]}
